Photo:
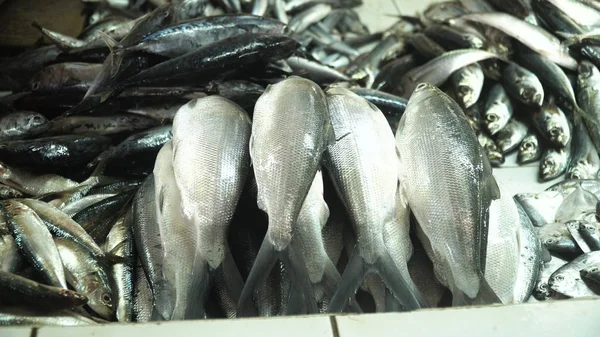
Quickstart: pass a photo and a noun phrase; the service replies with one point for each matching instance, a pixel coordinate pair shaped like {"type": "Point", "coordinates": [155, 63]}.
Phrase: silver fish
{"type": "Point", "coordinates": [541, 207]}
{"type": "Point", "coordinates": [498, 109]}
{"type": "Point", "coordinates": [10, 258]}
{"type": "Point", "coordinates": [213, 131]}
{"type": "Point", "coordinates": [431, 124]}
{"type": "Point", "coordinates": [523, 85]}
{"type": "Point", "coordinates": [301, 21]}
{"type": "Point", "coordinates": [119, 242]}
{"type": "Point", "coordinates": [576, 205]}
{"type": "Point", "coordinates": [585, 162]}
{"type": "Point", "coordinates": [530, 259]}
{"type": "Point", "coordinates": [530, 149]}
{"type": "Point", "coordinates": [591, 234]}
{"type": "Point", "coordinates": [31, 184]}
{"type": "Point", "coordinates": [468, 82]}
{"type": "Point", "coordinates": [588, 97]}
{"type": "Point", "coordinates": [554, 163]}
{"type": "Point", "coordinates": [542, 291]}
{"type": "Point", "coordinates": [579, 12]}
{"type": "Point", "coordinates": [22, 124]}
{"type": "Point", "coordinates": [511, 135]}
{"type": "Point", "coordinates": [494, 154]}
{"type": "Point", "coordinates": [591, 273]}
{"type": "Point", "coordinates": [557, 239]}
{"type": "Point", "coordinates": [35, 242]}
{"type": "Point", "coordinates": [552, 123]}
{"type": "Point", "coordinates": [62, 318]}
{"type": "Point", "coordinates": [567, 279]}
{"type": "Point", "coordinates": [73, 207]}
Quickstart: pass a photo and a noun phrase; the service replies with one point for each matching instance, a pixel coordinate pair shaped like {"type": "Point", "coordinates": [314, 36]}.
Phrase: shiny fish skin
{"type": "Point", "coordinates": [290, 130]}
{"type": "Point", "coordinates": [554, 163]}
{"type": "Point", "coordinates": [530, 149]}
{"type": "Point", "coordinates": [74, 76]}
{"type": "Point", "coordinates": [492, 151]}
{"type": "Point", "coordinates": [588, 96]}
{"type": "Point", "coordinates": [439, 221]}
{"type": "Point", "coordinates": [567, 279]}
{"type": "Point", "coordinates": [509, 137]}
{"type": "Point", "coordinates": [498, 109]}
{"type": "Point", "coordinates": [97, 219]}
{"type": "Point", "coordinates": [119, 242]}
{"type": "Point", "coordinates": [556, 238]}
{"type": "Point", "coordinates": [541, 207]}
{"type": "Point", "coordinates": [10, 257]}
{"type": "Point", "coordinates": [72, 208]}
{"type": "Point", "coordinates": [63, 318]}
{"type": "Point", "coordinates": [35, 242]}
{"type": "Point", "coordinates": [530, 259]}
{"type": "Point", "coordinates": [468, 83]}
{"type": "Point", "coordinates": [7, 192]}
{"type": "Point", "coordinates": [22, 124]}
{"type": "Point", "coordinates": [552, 123]}
{"type": "Point", "coordinates": [542, 291]}
{"type": "Point", "coordinates": [101, 125]}
{"type": "Point", "coordinates": [585, 162]}
{"type": "Point", "coordinates": [523, 85]}
{"type": "Point", "coordinates": [210, 149]}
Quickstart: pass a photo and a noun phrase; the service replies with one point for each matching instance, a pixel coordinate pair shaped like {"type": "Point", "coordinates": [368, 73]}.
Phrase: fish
{"type": "Point", "coordinates": [98, 219]}
{"type": "Point", "coordinates": [494, 154]}
{"type": "Point", "coordinates": [523, 85]}
{"type": "Point", "coordinates": [22, 124]}
{"type": "Point", "coordinates": [557, 239]}
{"type": "Point", "coordinates": [215, 132]}
{"type": "Point", "coordinates": [518, 8]}
{"type": "Point", "coordinates": [101, 125]}
{"type": "Point", "coordinates": [579, 12]}
{"type": "Point", "coordinates": [34, 242]}
{"type": "Point", "coordinates": [540, 207]}
{"type": "Point", "coordinates": [69, 76]}
{"type": "Point", "coordinates": [425, 46]}
{"type": "Point", "coordinates": [530, 149]}
{"type": "Point", "coordinates": [72, 208]}
{"type": "Point", "coordinates": [552, 124]}
{"type": "Point", "coordinates": [142, 296]}
{"type": "Point", "coordinates": [591, 274]}
{"type": "Point", "coordinates": [295, 110]}
{"type": "Point", "coordinates": [511, 135]}
{"type": "Point", "coordinates": [455, 37]}
{"type": "Point", "coordinates": [315, 71]}
{"type": "Point", "coordinates": [554, 163]}
{"type": "Point", "coordinates": [529, 34]}
{"type": "Point", "coordinates": [7, 192]}
{"type": "Point", "coordinates": [591, 234]}
{"type": "Point", "coordinates": [585, 162]}
{"type": "Point", "coordinates": [388, 75]}
{"type": "Point", "coordinates": [588, 96]}
{"type": "Point", "coordinates": [10, 258]}
{"type": "Point", "coordinates": [466, 169]}
{"type": "Point", "coordinates": [567, 279]}
{"type": "Point", "coordinates": [88, 276]}
{"type": "Point", "coordinates": [438, 70]}
{"type": "Point", "coordinates": [542, 291]}
{"type": "Point", "coordinates": [498, 109]}
{"type": "Point", "coordinates": [576, 205]}
{"type": "Point", "coordinates": [63, 318]}
{"type": "Point", "coordinates": [119, 242]}
{"type": "Point", "coordinates": [468, 83]}
{"type": "Point", "coordinates": [530, 259]}
{"type": "Point", "coordinates": [26, 294]}
{"type": "Point", "coordinates": [301, 21]}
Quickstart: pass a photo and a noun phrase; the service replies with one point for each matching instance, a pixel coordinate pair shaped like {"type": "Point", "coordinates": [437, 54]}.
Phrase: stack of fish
{"type": "Point", "coordinates": [565, 216]}
{"type": "Point", "coordinates": [175, 162]}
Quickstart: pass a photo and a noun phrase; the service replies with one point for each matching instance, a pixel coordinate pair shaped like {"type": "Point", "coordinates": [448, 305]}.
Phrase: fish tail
{"type": "Point", "coordinates": [117, 53]}
{"type": "Point", "coordinates": [229, 277]}
{"type": "Point", "coordinates": [330, 281]}
{"type": "Point", "coordinates": [265, 261]}
{"type": "Point", "coordinates": [486, 295]}
{"type": "Point", "coordinates": [356, 270]}
{"type": "Point", "coordinates": [199, 290]}
{"type": "Point", "coordinates": [391, 303]}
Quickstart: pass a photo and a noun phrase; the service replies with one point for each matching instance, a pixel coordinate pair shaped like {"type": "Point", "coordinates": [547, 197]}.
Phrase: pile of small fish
{"type": "Point", "coordinates": [225, 159]}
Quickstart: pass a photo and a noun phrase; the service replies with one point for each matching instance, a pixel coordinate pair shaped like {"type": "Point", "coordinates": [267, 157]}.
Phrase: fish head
{"type": "Point", "coordinates": [580, 170]}
{"type": "Point", "coordinates": [558, 135]}
{"type": "Point", "coordinates": [99, 296]}
{"type": "Point", "coordinates": [466, 95]}
{"type": "Point", "coordinates": [531, 95]}
{"type": "Point", "coordinates": [542, 291]}
{"type": "Point", "coordinates": [549, 167]}
{"type": "Point", "coordinates": [585, 70]}
{"type": "Point", "coordinates": [562, 283]}
{"type": "Point", "coordinates": [5, 172]}
{"type": "Point", "coordinates": [495, 118]}
{"type": "Point", "coordinates": [528, 150]}
{"type": "Point", "coordinates": [556, 242]}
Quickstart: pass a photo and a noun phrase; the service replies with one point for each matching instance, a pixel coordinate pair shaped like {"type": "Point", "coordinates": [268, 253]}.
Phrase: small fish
{"type": "Point", "coordinates": [22, 124]}
{"type": "Point", "coordinates": [88, 276]}
{"type": "Point", "coordinates": [453, 37]}
{"type": "Point", "coordinates": [7, 192]}
{"type": "Point", "coordinates": [588, 96]}
{"type": "Point", "coordinates": [101, 125]}
{"type": "Point", "coordinates": [63, 318]}
{"type": "Point", "coordinates": [509, 137]}
{"type": "Point", "coordinates": [542, 291]}
{"type": "Point", "coordinates": [567, 279]}
{"type": "Point", "coordinates": [468, 83]}
{"type": "Point", "coordinates": [387, 78]}
{"type": "Point", "coordinates": [530, 149]}
{"type": "Point", "coordinates": [315, 71]}
{"type": "Point", "coordinates": [119, 242]}
{"type": "Point", "coordinates": [72, 208]}
{"type": "Point", "coordinates": [492, 151]}
{"type": "Point", "coordinates": [552, 123]}
{"type": "Point", "coordinates": [498, 109]}
{"type": "Point", "coordinates": [523, 85]}
{"type": "Point", "coordinates": [29, 295]}
{"type": "Point", "coordinates": [557, 239]}
{"type": "Point", "coordinates": [72, 76]}
{"type": "Point", "coordinates": [541, 207]}
{"type": "Point", "coordinates": [554, 163]}
{"type": "Point", "coordinates": [35, 242]}
{"type": "Point", "coordinates": [585, 162]}
{"type": "Point", "coordinates": [530, 259]}
{"type": "Point", "coordinates": [97, 219]}
{"type": "Point", "coordinates": [591, 234]}
{"type": "Point", "coordinates": [10, 257]}
{"type": "Point", "coordinates": [425, 46]}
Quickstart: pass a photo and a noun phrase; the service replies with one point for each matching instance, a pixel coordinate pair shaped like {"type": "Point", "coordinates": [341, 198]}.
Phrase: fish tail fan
{"type": "Point", "coordinates": [164, 301]}
{"type": "Point", "coordinates": [117, 53]}
{"type": "Point", "coordinates": [198, 292]}
{"type": "Point", "coordinates": [330, 281]}
{"type": "Point", "coordinates": [351, 280]}
{"type": "Point", "coordinates": [391, 303]}
{"type": "Point", "coordinates": [265, 261]}
{"type": "Point", "coordinates": [404, 290]}
{"type": "Point", "coordinates": [486, 294]}
{"type": "Point", "coordinates": [228, 277]}
{"type": "Point", "coordinates": [301, 286]}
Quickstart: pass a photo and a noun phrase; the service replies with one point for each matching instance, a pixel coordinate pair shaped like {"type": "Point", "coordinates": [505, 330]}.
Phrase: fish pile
{"type": "Point", "coordinates": [225, 159]}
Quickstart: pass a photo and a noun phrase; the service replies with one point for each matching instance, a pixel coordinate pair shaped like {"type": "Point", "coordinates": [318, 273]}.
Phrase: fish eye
{"type": "Point", "coordinates": [543, 286]}
{"type": "Point", "coordinates": [549, 241]}
{"type": "Point", "coordinates": [527, 94]}
{"type": "Point", "coordinates": [555, 132]}
{"type": "Point", "coordinates": [106, 299]}
{"type": "Point", "coordinates": [585, 71]}
{"type": "Point", "coordinates": [421, 86]}
{"type": "Point", "coordinates": [528, 146]}
{"type": "Point", "coordinates": [464, 90]}
{"type": "Point", "coordinates": [35, 85]}
{"type": "Point", "coordinates": [492, 118]}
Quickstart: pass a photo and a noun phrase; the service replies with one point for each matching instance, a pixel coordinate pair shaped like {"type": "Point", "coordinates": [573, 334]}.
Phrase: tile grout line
{"type": "Point", "coordinates": [334, 327]}
{"type": "Point", "coordinates": [34, 332]}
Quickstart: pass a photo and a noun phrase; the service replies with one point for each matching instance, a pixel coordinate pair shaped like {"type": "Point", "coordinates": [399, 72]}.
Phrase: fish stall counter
{"type": "Point", "coordinates": [377, 96]}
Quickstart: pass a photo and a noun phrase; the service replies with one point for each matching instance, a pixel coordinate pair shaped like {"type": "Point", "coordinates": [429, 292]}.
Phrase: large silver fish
{"type": "Point", "coordinates": [363, 166]}
{"type": "Point", "coordinates": [440, 155]}
{"type": "Point", "coordinates": [289, 134]}
{"type": "Point", "coordinates": [210, 163]}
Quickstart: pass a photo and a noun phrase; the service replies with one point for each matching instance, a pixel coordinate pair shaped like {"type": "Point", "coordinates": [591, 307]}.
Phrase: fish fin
{"type": "Point", "coordinates": [228, 275]}
{"type": "Point", "coordinates": [300, 284]}
{"type": "Point", "coordinates": [356, 270]}
{"type": "Point", "coordinates": [391, 303]}
{"type": "Point", "coordinates": [117, 53]}
{"type": "Point", "coordinates": [199, 290]}
{"type": "Point", "coordinates": [486, 294]}
{"type": "Point", "coordinates": [329, 282]}
{"type": "Point", "coordinates": [63, 42]}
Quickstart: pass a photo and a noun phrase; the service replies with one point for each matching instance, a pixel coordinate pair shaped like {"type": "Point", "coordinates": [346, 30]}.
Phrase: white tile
{"type": "Point", "coordinates": [549, 319]}
{"type": "Point", "coordinates": [316, 326]}
{"type": "Point", "coordinates": [15, 332]}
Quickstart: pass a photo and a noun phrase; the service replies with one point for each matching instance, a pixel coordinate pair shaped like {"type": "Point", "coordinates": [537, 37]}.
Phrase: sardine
{"type": "Point", "coordinates": [101, 125]}
{"type": "Point", "coordinates": [21, 125]}
{"type": "Point", "coordinates": [119, 242]}
{"type": "Point", "coordinates": [523, 85]}
{"type": "Point", "coordinates": [554, 163]}
{"type": "Point", "coordinates": [591, 234]}
{"type": "Point", "coordinates": [301, 21]}
{"type": "Point", "coordinates": [466, 169]}
{"type": "Point", "coordinates": [97, 219]}
{"type": "Point", "coordinates": [541, 207]}
{"type": "Point", "coordinates": [585, 162]}
{"type": "Point", "coordinates": [468, 83]}
{"type": "Point", "coordinates": [591, 274]}
{"type": "Point", "coordinates": [63, 318]}
{"type": "Point", "coordinates": [552, 123]}
{"type": "Point", "coordinates": [511, 135]}
{"type": "Point", "coordinates": [72, 208]}
{"type": "Point", "coordinates": [588, 96]}
{"type": "Point", "coordinates": [70, 76]}
{"type": "Point", "coordinates": [498, 109]}
{"type": "Point", "coordinates": [530, 149]}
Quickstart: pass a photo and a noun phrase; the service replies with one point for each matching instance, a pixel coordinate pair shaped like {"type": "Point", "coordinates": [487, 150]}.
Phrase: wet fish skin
{"type": "Point", "coordinates": [10, 257]}
{"type": "Point", "coordinates": [88, 276]}
{"type": "Point", "coordinates": [588, 96]}
{"type": "Point", "coordinates": [70, 76]}
{"type": "Point", "coordinates": [309, 16]}
{"type": "Point", "coordinates": [26, 294]}
{"type": "Point", "coordinates": [530, 260]}
{"type": "Point", "coordinates": [591, 274]}
{"type": "Point", "coordinates": [22, 124]}
{"type": "Point", "coordinates": [498, 109]}
{"type": "Point", "coordinates": [585, 162]}
{"type": "Point", "coordinates": [425, 46]}
{"type": "Point", "coordinates": [567, 279]}
{"type": "Point", "coordinates": [509, 137]}
{"type": "Point", "coordinates": [453, 37]}
{"type": "Point", "coordinates": [71, 208]}
{"type": "Point", "coordinates": [464, 278]}
{"type": "Point", "coordinates": [552, 123]}
{"type": "Point", "coordinates": [31, 184]}
{"type": "Point", "coordinates": [530, 149]}
{"type": "Point", "coordinates": [523, 85]}
{"type": "Point", "coordinates": [541, 207]}
{"type": "Point", "coordinates": [315, 71]}
{"type": "Point", "coordinates": [7, 192]}
{"type": "Point", "coordinates": [101, 125]}
{"type": "Point", "coordinates": [591, 234]}
{"type": "Point", "coordinates": [468, 83]}
{"type": "Point", "coordinates": [98, 218]}
{"type": "Point", "coordinates": [387, 78]}
{"type": "Point", "coordinates": [554, 163]}
{"type": "Point", "coordinates": [542, 290]}
{"type": "Point", "coordinates": [492, 151]}
{"type": "Point", "coordinates": [556, 237]}
{"type": "Point", "coordinates": [119, 242]}
{"type": "Point", "coordinates": [63, 318]}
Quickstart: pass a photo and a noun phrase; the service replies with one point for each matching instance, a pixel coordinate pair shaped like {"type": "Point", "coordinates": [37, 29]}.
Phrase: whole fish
{"type": "Point", "coordinates": [119, 242]}
{"type": "Point", "coordinates": [101, 125]}
{"type": "Point", "coordinates": [31, 184]}
{"type": "Point", "coordinates": [315, 71]}
{"type": "Point", "coordinates": [421, 271]}
{"type": "Point", "coordinates": [529, 34]}
{"type": "Point", "coordinates": [35, 242]}
{"type": "Point", "coordinates": [530, 149]}
{"type": "Point", "coordinates": [289, 134]}
{"type": "Point", "coordinates": [542, 291]}
{"type": "Point", "coordinates": [454, 37]}
{"type": "Point", "coordinates": [70, 76]}
{"type": "Point", "coordinates": [468, 83]}
{"type": "Point", "coordinates": [552, 123]}
{"type": "Point", "coordinates": [301, 21]}
{"type": "Point", "coordinates": [554, 163]}
{"type": "Point", "coordinates": [523, 85]}
{"type": "Point", "coordinates": [491, 149]}
{"type": "Point", "coordinates": [98, 219]}
{"type": "Point", "coordinates": [74, 207]}
{"type": "Point", "coordinates": [511, 135]}
{"type": "Point", "coordinates": [215, 132]}
{"type": "Point", "coordinates": [530, 259]}
{"type": "Point", "coordinates": [498, 109]}
{"type": "Point", "coordinates": [88, 276]}
{"type": "Point", "coordinates": [588, 96]}
{"type": "Point", "coordinates": [541, 207]}
{"type": "Point", "coordinates": [585, 162]}
{"type": "Point", "coordinates": [63, 318]}
{"type": "Point", "coordinates": [26, 294]}
{"type": "Point", "coordinates": [465, 169]}
{"type": "Point", "coordinates": [567, 279]}
{"type": "Point", "coordinates": [557, 239]}
{"type": "Point", "coordinates": [438, 70]}
{"type": "Point", "coordinates": [21, 125]}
